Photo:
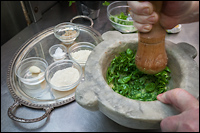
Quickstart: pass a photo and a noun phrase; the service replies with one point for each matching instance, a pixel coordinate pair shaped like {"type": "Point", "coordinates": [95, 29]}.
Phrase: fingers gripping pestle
{"type": "Point", "coordinates": [151, 56]}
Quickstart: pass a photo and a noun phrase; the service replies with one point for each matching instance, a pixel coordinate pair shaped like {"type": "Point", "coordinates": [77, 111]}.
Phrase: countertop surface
{"type": "Point", "coordinates": [70, 117]}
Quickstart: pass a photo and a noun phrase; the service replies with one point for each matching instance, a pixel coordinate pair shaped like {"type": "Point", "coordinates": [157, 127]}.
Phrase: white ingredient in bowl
{"type": "Point", "coordinates": [58, 53]}
{"type": "Point", "coordinates": [81, 55]}
{"type": "Point", "coordinates": [34, 69]}
{"type": "Point", "coordinates": [65, 77]}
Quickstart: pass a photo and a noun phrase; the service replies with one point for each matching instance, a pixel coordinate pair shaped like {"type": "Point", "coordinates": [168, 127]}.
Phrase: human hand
{"type": "Point", "coordinates": [172, 14]}
{"type": "Point", "coordinates": [188, 119]}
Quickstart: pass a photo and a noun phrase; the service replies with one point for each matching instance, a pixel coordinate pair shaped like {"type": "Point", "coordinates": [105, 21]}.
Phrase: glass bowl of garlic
{"type": "Point", "coordinates": [66, 32]}
{"type": "Point", "coordinates": [80, 52]}
{"type": "Point", "coordinates": [31, 70]}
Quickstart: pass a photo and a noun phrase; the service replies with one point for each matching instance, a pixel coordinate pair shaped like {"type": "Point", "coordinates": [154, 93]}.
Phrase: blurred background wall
{"type": "Point", "coordinates": [15, 17]}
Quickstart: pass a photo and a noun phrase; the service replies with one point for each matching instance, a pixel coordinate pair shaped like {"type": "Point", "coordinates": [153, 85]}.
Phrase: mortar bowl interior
{"type": "Point", "coordinates": [176, 77]}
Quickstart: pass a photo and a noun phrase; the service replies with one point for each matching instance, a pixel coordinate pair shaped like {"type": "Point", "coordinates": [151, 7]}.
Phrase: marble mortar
{"type": "Point", "coordinates": [95, 94]}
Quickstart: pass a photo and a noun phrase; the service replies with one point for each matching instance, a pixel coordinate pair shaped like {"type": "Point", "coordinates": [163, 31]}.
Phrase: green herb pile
{"type": "Point", "coordinates": [116, 18]}
{"type": "Point", "coordinates": [125, 79]}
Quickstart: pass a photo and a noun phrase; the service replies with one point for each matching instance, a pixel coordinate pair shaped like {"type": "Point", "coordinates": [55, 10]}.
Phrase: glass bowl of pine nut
{"type": "Point", "coordinates": [66, 32]}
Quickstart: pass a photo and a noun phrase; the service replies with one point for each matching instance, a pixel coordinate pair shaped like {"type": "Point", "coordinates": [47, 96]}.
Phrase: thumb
{"type": "Point", "coordinates": [179, 98]}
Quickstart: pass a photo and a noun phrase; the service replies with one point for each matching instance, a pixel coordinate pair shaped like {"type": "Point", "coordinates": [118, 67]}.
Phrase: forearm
{"type": "Point", "coordinates": [192, 15]}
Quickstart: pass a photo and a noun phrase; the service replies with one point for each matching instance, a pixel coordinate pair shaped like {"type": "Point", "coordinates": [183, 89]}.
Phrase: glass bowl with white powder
{"type": "Point", "coordinates": [58, 52]}
{"type": "Point", "coordinates": [63, 75]}
{"type": "Point", "coordinates": [80, 52]}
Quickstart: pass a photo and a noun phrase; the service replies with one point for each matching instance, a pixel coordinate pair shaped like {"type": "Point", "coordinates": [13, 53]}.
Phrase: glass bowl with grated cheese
{"type": "Point", "coordinates": [66, 32]}
{"type": "Point", "coordinates": [80, 52]}
{"type": "Point", "coordinates": [63, 75]}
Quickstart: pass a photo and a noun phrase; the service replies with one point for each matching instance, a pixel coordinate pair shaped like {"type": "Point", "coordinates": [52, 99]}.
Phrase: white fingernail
{"type": "Point", "coordinates": [146, 28]}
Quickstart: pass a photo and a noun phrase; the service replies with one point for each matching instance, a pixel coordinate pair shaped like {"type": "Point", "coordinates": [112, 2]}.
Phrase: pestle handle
{"type": "Point", "coordinates": [157, 33]}
{"type": "Point", "coordinates": [151, 56]}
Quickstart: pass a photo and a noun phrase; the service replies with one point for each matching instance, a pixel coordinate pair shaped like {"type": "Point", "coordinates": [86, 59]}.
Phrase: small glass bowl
{"type": "Point", "coordinates": [116, 8]}
{"type": "Point", "coordinates": [60, 65]}
{"type": "Point", "coordinates": [66, 32]}
{"type": "Point", "coordinates": [58, 52]}
{"type": "Point", "coordinates": [79, 47]}
{"type": "Point", "coordinates": [26, 76]}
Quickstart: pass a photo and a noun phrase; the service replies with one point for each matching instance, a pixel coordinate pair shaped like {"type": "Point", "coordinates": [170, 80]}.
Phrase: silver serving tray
{"type": "Point", "coordinates": [42, 96]}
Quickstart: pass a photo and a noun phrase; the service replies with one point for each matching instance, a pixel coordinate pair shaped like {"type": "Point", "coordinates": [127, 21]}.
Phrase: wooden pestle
{"type": "Point", "coordinates": [151, 56]}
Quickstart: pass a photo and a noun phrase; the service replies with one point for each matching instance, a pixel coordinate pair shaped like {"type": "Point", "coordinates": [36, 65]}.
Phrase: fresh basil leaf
{"type": "Point", "coordinates": [167, 69]}
{"type": "Point", "coordinates": [124, 79]}
{"type": "Point", "coordinates": [105, 3]}
{"type": "Point", "coordinates": [71, 2]}
{"type": "Point", "coordinates": [150, 87]}
{"type": "Point", "coordinates": [129, 52]}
